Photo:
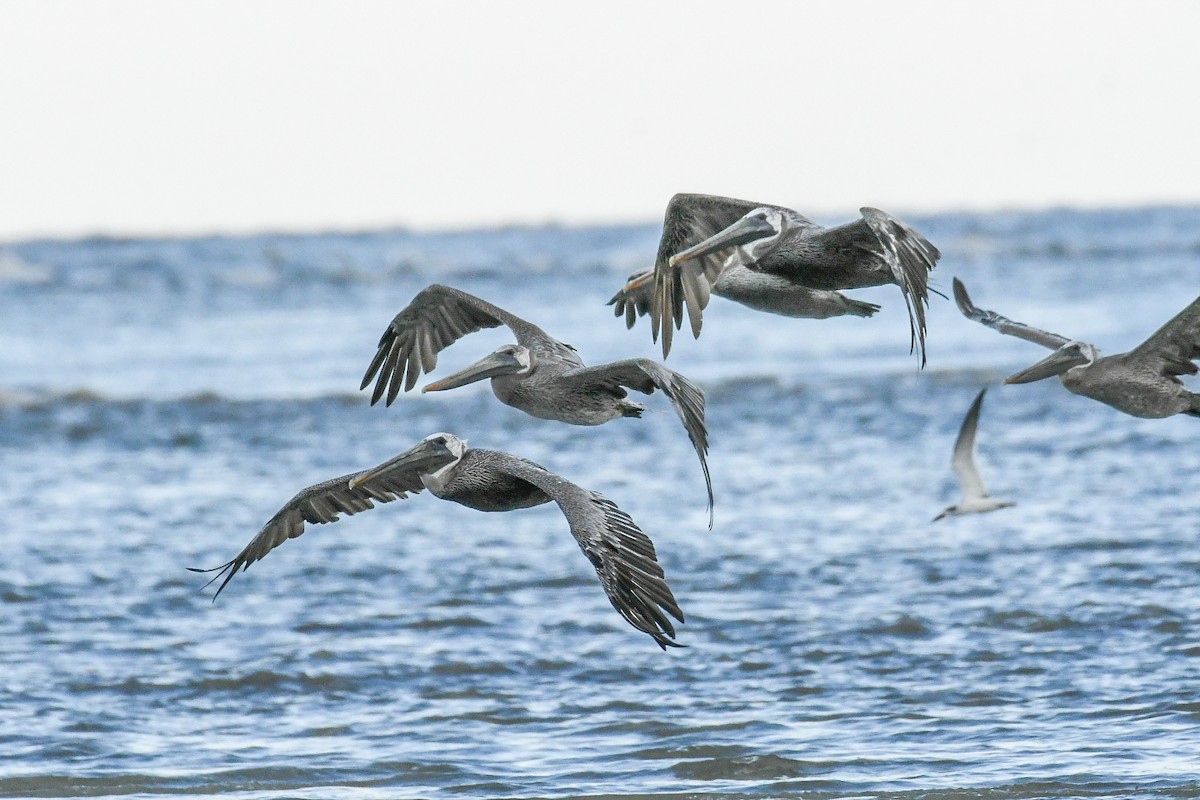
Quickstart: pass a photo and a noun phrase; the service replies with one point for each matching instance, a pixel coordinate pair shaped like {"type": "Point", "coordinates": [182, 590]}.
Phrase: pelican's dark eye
{"type": "Point", "coordinates": [440, 440]}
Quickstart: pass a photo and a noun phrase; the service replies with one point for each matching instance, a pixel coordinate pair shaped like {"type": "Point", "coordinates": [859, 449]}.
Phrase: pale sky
{"type": "Point", "coordinates": [190, 117]}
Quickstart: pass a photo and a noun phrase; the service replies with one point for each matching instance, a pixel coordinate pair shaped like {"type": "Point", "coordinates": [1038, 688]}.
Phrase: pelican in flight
{"type": "Point", "coordinates": [489, 480]}
{"type": "Point", "coordinates": [975, 497]}
{"type": "Point", "coordinates": [1143, 382]}
{"type": "Point", "coordinates": [540, 375]}
{"type": "Point", "coordinates": [773, 259]}
{"type": "Point", "coordinates": [755, 290]}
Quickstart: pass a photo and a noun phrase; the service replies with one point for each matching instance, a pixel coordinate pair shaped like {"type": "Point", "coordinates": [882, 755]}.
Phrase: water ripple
{"type": "Point", "coordinates": [838, 643]}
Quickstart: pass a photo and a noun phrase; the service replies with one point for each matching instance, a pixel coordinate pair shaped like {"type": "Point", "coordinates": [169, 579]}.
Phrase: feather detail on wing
{"type": "Point", "coordinates": [1004, 324]}
{"type": "Point", "coordinates": [623, 556]}
{"type": "Point", "coordinates": [963, 461]}
{"type": "Point", "coordinates": [910, 256]}
{"type": "Point", "coordinates": [1173, 347]}
{"type": "Point", "coordinates": [689, 220]}
{"type": "Point", "coordinates": [634, 299]}
{"type": "Point", "coordinates": [320, 503]}
{"type": "Point", "coordinates": [436, 318]}
{"type": "Point", "coordinates": [644, 375]}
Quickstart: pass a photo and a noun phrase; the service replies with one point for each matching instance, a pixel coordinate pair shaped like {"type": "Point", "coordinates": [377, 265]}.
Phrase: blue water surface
{"type": "Point", "coordinates": [160, 399]}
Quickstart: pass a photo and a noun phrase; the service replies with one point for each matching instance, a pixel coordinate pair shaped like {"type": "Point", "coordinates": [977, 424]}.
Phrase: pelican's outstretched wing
{"type": "Point", "coordinates": [963, 461]}
{"type": "Point", "coordinates": [622, 555]}
{"type": "Point", "coordinates": [634, 299]}
{"type": "Point", "coordinates": [644, 375]}
{"type": "Point", "coordinates": [910, 256]}
{"type": "Point", "coordinates": [436, 318]}
{"type": "Point", "coordinates": [1004, 324]}
{"type": "Point", "coordinates": [691, 219]}
{"type": "Point", "coordinates": [1174, 346]}
{"type": "Point", "coordinates": [320, 503]}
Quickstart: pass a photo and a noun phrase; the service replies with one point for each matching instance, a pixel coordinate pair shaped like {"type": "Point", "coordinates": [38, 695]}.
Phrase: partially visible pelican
{"type": "Point", "coordinates": [975, 497]}
{"type": "Point", "coordinates": [773, 259]}
{"type": "Point", "coordinates": [757, 290]}
{"type": "Point", "coordinates": [489, 480]}
{"type": "Point", "coordinates": [1143, 382]}
{"type": "Point", "coordinates": [540, 375]}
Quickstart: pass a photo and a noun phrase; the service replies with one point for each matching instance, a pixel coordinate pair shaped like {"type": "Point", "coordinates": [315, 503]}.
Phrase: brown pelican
{"type": "Point", "coordinates": [1143, 382]}
{"type": "Point", "coordinates": [975, 497]}
{"type": "Point", "coordinates": [540, 375]}
{"type": "Point", "coordinates": [758, 290]}
{"type": "Point", "coordinates": [489, 480]}
{"type": "Point", "coordinates": [773, 259]}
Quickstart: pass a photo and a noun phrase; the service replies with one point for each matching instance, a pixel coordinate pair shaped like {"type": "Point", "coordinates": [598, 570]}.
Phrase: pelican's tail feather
{"type": "Point", "coordinates": [1195, 409]}
{"type": "Point", "coordinates": [631, 409]}
{"type": "Point", "coordinates": [858, 308]}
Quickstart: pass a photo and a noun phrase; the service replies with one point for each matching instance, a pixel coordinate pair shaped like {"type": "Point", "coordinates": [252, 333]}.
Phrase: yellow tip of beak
{"type": "Point", "coordinates": [642, 281]}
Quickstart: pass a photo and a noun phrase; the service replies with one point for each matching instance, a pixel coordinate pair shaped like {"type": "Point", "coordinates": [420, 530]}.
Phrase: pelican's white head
{"type": "Point", "coordinates": [449, 441]}
{"type": "Point", "coordinates": [520, 355]}
{"type": "Point", "coordinates": [1090, 352]}
{"type": "Point", "coordinates": [436, 454]}
{"type": "Point", "coordinates": [1070, 355]}
{"type": "Point", "coordinates": [441, 445]}
{"type": "Point", "coordinates": [511, 359]}
{"type": "Point", "coordinates": [760, 229]}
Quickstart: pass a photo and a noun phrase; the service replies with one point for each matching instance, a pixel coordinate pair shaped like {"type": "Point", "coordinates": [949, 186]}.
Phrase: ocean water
{"type": "Point", "coordinates": [159, 400]}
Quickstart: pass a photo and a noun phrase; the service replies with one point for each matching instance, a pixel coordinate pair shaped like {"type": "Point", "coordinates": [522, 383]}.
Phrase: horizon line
{"type": "Point", "coordinates": [334, 229]}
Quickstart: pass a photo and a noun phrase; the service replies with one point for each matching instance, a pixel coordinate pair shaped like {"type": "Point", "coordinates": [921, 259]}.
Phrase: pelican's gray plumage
{"type": "Point", "coordinates": [775, 259]}
{"type": "Point", "coordinates": [540, 375]}
{"type": "Point", "coordinates": [757, 290]}
{"type": "Point", "coordinates": [489, 480]}
{"type": "Point", "coordinates": [1142, 383]}
{"type": "Point", "coordinates": [975, 496]}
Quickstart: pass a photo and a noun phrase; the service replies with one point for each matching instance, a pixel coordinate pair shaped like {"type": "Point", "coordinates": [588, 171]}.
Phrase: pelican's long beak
{"type": "Point", "coordinates": [487, 367]}
{"type": "Point", "coordinates": [1056, 363]}
{"type": "Point", "coordinates": [636, 281]}
{"type": "Point", "coordinates": [745, 230]}
{"type": "Point", "coordinates": [427, 455]}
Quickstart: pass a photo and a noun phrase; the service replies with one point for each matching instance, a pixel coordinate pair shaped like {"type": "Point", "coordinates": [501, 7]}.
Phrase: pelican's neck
{"type": "Point", "coordinates": [437, 480]}
{"type": "Point", "coordinates": [1078, 375]}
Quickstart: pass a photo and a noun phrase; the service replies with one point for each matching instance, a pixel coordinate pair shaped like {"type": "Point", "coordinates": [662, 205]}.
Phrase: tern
{"type": "Point", "coordinates": [975, 496]}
